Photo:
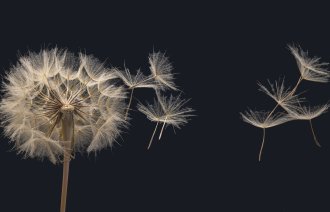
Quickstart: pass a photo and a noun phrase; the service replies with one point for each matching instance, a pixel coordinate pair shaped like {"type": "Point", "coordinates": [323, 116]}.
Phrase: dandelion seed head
{"type": "Point", "coordinates": [43, 86]}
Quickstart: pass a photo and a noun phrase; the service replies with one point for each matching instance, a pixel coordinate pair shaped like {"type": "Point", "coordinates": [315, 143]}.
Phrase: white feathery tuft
{"type": "Point", "coordinates": [285, 97]}
{"type": "Point", "coordinates": [136, 81]}
{"type": "Point", "coordinates": [161, 70]}
{"type": "Point", "coordinates": [169, 110]}
{"type": "Point", "coordinates": [308, 112]}
{"type": "Point", "coordinates": [264, 119]}
{"type": "Point", "coordinates": [310, 68]}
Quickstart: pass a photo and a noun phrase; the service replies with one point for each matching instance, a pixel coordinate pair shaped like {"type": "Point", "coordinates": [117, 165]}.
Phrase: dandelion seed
{"type": "Point", "coordinates": [284, 97]}
{"type": "Point", "coordinates": [308, 113]}
{"type": "Point", "coordinates": [264, 120]}
{"type": "Point", "coordinates": [311, 69]}
{"type": "Point", "coordinates": [168, 111]}
{"type": "Point", "coordinates": [133, 82]}
{"type": "Point", "coordinates": [161, 70]}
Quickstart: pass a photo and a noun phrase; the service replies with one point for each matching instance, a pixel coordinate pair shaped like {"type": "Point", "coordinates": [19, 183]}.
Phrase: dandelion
{"type": "Point", "coordinates": [168, 111]}
{"type": "Point", "coordinates": [308, 113]}
{"type": "Point", "coordinates": [133, 82]}
{"type": "Point", "coordinates": [264, 120]}
{"type": "Point", "coordinates": [56, 104]}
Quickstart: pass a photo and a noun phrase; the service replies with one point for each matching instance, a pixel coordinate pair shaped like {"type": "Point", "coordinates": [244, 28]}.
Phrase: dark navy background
{"type": "Point", "coordinates": [219, 51]}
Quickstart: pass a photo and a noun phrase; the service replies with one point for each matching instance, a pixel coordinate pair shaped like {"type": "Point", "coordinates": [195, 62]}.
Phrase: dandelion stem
{"type": "Point", "coordinates": [129, 103]}
{"type": "Point", "coordinates": [262, 144]}
{"type": "Point", "coordinates": [153, 134]}
{"type": "Point", "coordinates": [315, 139]}
{"type": "Point", "coordinates": [66, 164]}
{"type": "Point", "coordinates": [161, 132]}
{"type": "Point", "coordinates": [67, 136]}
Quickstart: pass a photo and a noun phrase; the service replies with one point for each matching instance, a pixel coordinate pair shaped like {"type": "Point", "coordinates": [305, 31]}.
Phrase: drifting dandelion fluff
{"type": "Point", "coordinates": [161, 76]}
{"type": "Point", "coordinates": [161, 70]}
{"type": "Point", "coordinates": [168, 111]}
{"type": "Point", "coordinates": [308, 113]}
{"type": "Point", "coordinates": [264, 120]}
{"type": "Point", "coordinates": [284, 97]}
{"type": "Point", "coordinates": [311, 69]}
{"type": "Point", "coordinates": [56, 103]}
{"type": "Point", "coordinates": [135, 81]}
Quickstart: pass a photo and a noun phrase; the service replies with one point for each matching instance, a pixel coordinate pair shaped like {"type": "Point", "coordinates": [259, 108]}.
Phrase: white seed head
{"type": "Point", "coordinates": [311, 69]}
{"type": "Point", "coordinates": [43, 86]}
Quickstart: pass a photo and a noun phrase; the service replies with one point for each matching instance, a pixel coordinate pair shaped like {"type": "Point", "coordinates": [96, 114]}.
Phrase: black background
{"type": "Point", "coordinates": [219, 51]}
